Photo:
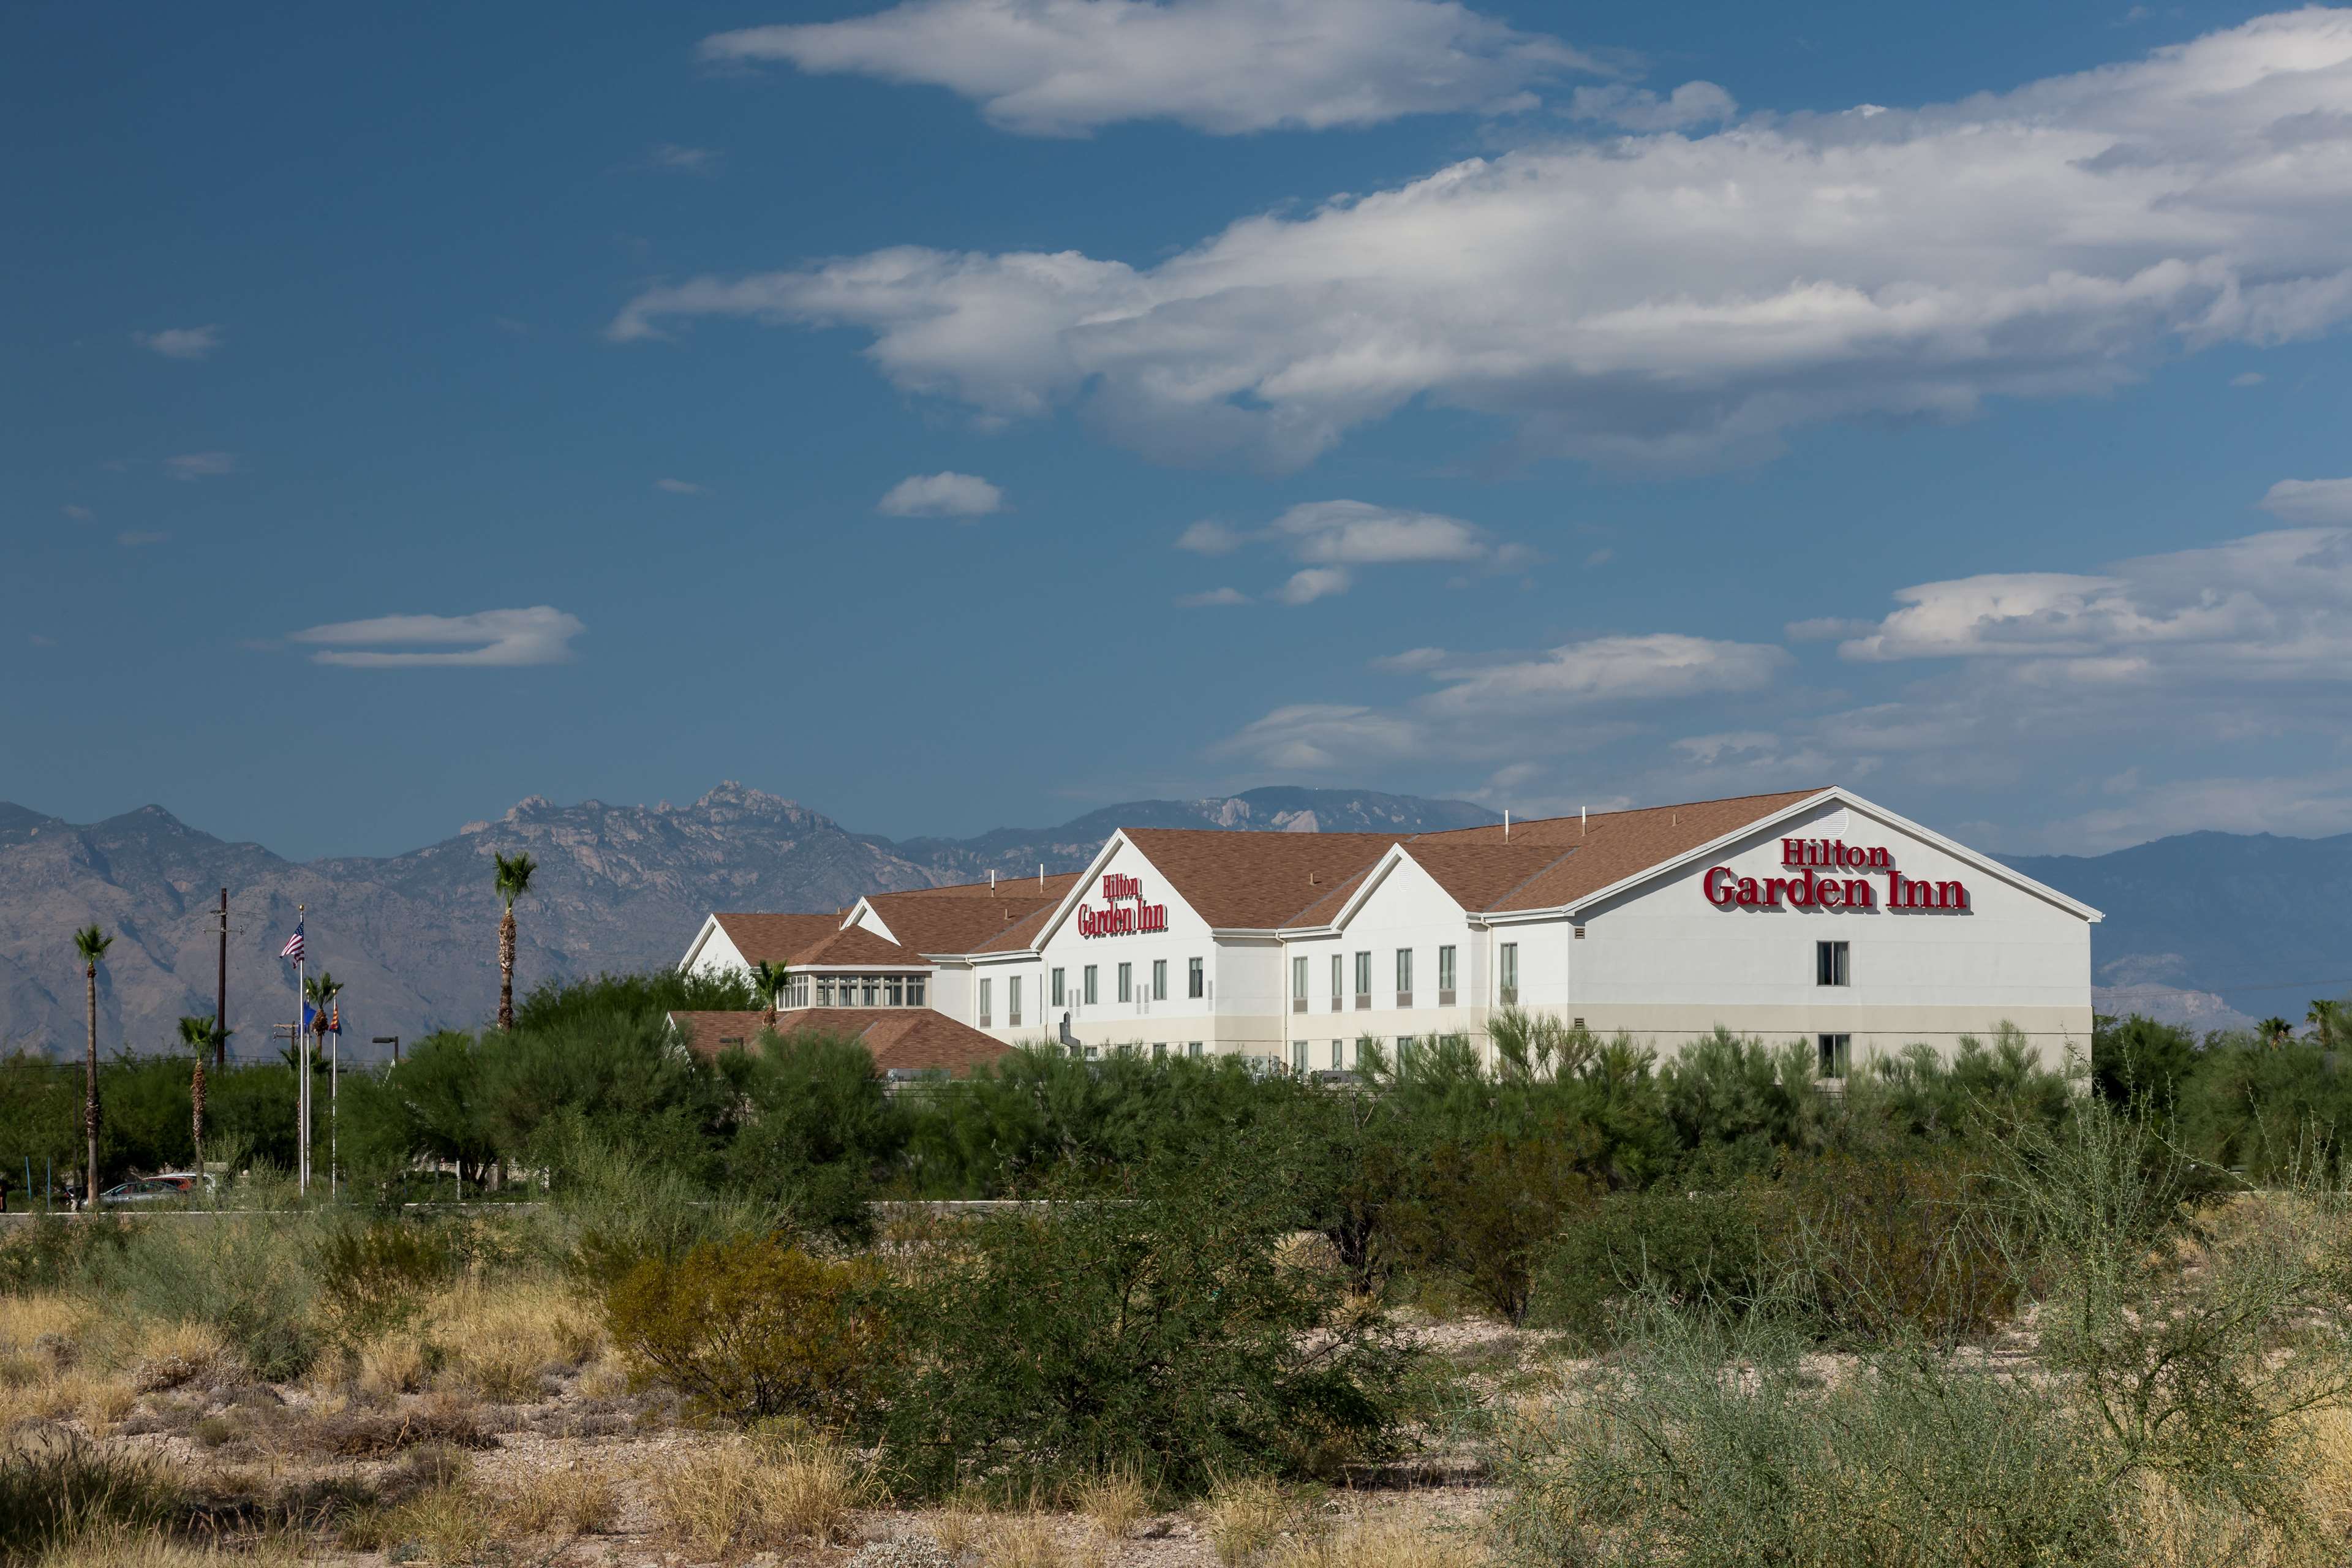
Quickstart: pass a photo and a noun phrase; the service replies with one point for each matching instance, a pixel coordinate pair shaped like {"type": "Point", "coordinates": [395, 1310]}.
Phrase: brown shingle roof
{"type": "Point", "coordinates": [1610, 846]}
{"type": "Point", "coordinates": [1255, 880]}
{"type": "Point", "coordinates": [968, 918]}
{"type": "Point", "coordinates": [915, 1038]}
{"type": "Point", "coordinates": [810, 939]}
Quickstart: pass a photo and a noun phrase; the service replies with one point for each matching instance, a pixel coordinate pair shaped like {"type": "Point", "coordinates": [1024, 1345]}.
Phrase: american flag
{"type": "Point", "coordinates": [293, 948]}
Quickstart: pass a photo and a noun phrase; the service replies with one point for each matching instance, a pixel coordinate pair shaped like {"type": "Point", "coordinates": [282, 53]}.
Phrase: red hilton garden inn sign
{"type": "Point", "coordinates": [1116, 918]}
{"type": "Point", "coordinates": [1726, 888]}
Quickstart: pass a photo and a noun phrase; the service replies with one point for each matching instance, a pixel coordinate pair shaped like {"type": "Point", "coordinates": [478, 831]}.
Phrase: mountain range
{"type": "Point", "coordinates": [2209, 928]}
{"type": "Point", "coordinates": [412, 936]}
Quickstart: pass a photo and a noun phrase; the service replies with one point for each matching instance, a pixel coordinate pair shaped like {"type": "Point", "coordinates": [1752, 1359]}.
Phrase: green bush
{"type": "Point", "coordinates": [1896, 1246]}
{"type": "Point", "coordinates": [247, 1274]}
{"type": "Point", "coordinates": [55, 1487]}
{"type": "Point", "coordinates": [819, 1129]}
{"type": "Point", "coordinates": [1717, 1252]}
{"type": "Point", "coordinates": [754, 1328]}
{"type": "Point", "coordinates": [1485, 1211]}
{"type": "Point", "coordinates": [373, 1274]}
{"type": "Point", "coordinates": [1908, 1459]}
{"type": "Point", "coordinates": [1161, 1334]}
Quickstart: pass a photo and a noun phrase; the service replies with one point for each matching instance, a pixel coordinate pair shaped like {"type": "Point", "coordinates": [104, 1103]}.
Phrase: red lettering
{"type": "Point", "coordinates": [1858, 895]}
{"type": "Point", "coordinates": [1720, 897]}
{"type": "Point", "coordinates": [1827, 893]}
{"type": "Point", "coordinates": [1746, 895]}
{"type": "Point", "coordinates": [1951, 896]}
{"type": "Point", "coordinates": [1792, 852]}
{"type": "Point", "coordinates": [1880, 860]}
{"type": "Point", "coordinates": [1805, 888]}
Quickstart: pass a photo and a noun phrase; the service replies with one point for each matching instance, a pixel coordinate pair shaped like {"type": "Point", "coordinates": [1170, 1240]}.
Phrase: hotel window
{"type": "Point", "coordinates": [1160, 980]}
{"type": "Point", "coordinates": [1511, 979]}
{"type": "Point", "coordinates": [1126, 982]}
{"type": "Point", "coordinates": [1193, 1050]}
{"type": "Point", "coordinates": [1338, 968]}
{"type": "Point", "coordinates": [1298, 984]}
{"type": "Point", "coordinates": [898, 991]}
{"type": "Point", "coordinates": [1446, 977]}
{"type": "Point", "coordinates": [1159, 1049]}
{"type": "Point", "coordinates": [1012, 1000]}
{"type": "Point", "coordinates": [1363, 980]}
{"type": "Point", "coordinates": [1087, 995]}
{"type": "Point", "coordinates": [1338, 1060]}
{"type": "Point", "coordinates": [1404, 977]}
{"type": "Point", "coordinates": [798, 991]}
{"type": "Point", "coordinates": [1828, 963]}
{"type": "Point", "coordinates": [1835, 1052]}
{"type": "Point", "coordinates": [824, 992]}
{"type": "Point", "coordinates": [983, 1001]}
{"type": "Point", "coordinates": [1196, 978]}
{"type": "Point", "coordinates": [1061, 998]}
{"type": "Point", "coordinates": [871, 985]}
{"type": "Point", "coordinates": [914, 991]}
{"type": "Point", "coordinates": [1405, 1044]}
{"type": "Point", "coordinates": [1299, 1057]}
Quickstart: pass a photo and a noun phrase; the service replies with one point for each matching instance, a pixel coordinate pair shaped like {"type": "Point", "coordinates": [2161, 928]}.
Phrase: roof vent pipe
{"type": "Point", "coordinates": [1506, 824]}
{"type": "Point", "coordinates": [1041, 875]}
{"type": "Point", "coordinates": [1579, 820]}
{"type": "Point", "coordinates": [992, 879]}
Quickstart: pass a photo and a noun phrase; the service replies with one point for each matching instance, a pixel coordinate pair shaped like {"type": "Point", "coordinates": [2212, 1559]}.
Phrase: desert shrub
{"type": "Point", "coordinates": [1975, 1094]}
{"type": "Point", "coordinates": [373, 1275]}
{"type": "Point", "coordinates": [820, 1130]}
{"type": "Point", "coordinates": [1664, 1457]}
{"type": "Point", "coordinates": [754, 1328]}
{"type": "Point", "coordinates": [1159, 1333]}
{"type": "Point", "coordinates": [743, 1493]}
{"type": "Point", "coordinates": [247, 1275]}
{"type": "Point", "coordinates": [1895, 1245]}
{"type": "Point", "coordinates": [1714, 1251]}
{"type": "Point", "coordinates": [54, 1251]}
{"type": "Point", "coordinates": [2137, 1060]}
{"type": "Point", "coordinates": [616, 1207]}
{"type": "Point", "coordinates": [1736, 1102]}
{"type": "Point", "coordinates": [54, 1488]}
{"type": "Point", "coordinates": [2263, 1108]}
{"type": "Point", "coordinates": [1485, 1211]}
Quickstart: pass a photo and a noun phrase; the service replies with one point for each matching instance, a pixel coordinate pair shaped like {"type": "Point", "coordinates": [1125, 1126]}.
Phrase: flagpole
{"type": "Point", "coordinates": [301, 1064]}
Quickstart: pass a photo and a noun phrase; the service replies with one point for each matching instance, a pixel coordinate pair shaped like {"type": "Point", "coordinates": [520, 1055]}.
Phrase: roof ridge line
{"type": "Point", "coordinates": [1497, 899]}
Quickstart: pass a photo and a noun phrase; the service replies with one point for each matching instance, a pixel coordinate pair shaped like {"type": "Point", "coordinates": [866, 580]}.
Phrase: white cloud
{"type": "Point", "coordinates": [678, 487]}
{"type": "Point", "coordinates": [199, 465]}
{"type": "Point", "coordinates": [1638, 109]}
{"type": "Point", "coordinates": [180, 343]}
{"type": "Point", "coordinates": [2273, 606]}
{"type": "Point", "coordinates": [1213, 597]}
{"type": "Point", "coordinates": [1210, 537]}
{"type": "Point", "coordinates": [941, 495]}
{"type": "Point", "coordinates": [1329, 537]}
{"type": "Point", "coordinates": [671, 157]}
{"type": "Point", "coordinates": [2247, 378]}
{"type": "Point", "coordinates": [1708, 750]}
{"type": "Point", "coordinates": [1062, 67]}
{"type": "Point", "coordinates": [1512, 705]}
{"type": "Point", "coordinates": [2300, 807]}
{"type": "Point", "coordinates": [540, 635]}
{"type": "Point", "coordinates": [1599, 558]}
{"type": "Point", "coordinates": [2310, 501]}
{"type": "Point", "coordinates": [1412, 661]}
{"type": "Point", "coordinates": [1664, 300]}
{"type": "Point", "coordinates": [1314, 582]}
{"type": "Point", "coordinates": [78, 513]}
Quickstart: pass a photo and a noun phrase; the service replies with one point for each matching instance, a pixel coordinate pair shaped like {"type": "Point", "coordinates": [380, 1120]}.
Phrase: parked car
{"type": "Point", "coordinates": [168, 1186]}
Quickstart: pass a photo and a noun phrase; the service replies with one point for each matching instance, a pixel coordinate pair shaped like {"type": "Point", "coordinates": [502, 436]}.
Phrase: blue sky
{"type": "Point", "coordinates": [976, 411]}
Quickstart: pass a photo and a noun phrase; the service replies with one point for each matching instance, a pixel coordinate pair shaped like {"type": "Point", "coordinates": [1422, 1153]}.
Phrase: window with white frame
{"type": "Point", "coordinates": [1338, 974]}
{"type": "Point", "coordinates": [1196, 978]}
{"type": "Point", "coordinates": [1829, 964]}
{"type": "Point", "coordinates": [914, 991]}
{"type": "Point", "coordinates": [1298, 982]}
{"type": "Point", "coordinates": [1404, 977]}
{"type": "Point", "coordinates": [1061, 996]}
{"type": "Point", "coordinates": [984, 986]}
{"type": "Point", "coordinates": [1835, 1053]}
{"type": "Point", "coordinates": [1363, 980]}
{"type": "Point", "coordinates": [1087, 993]}
{"type": "Point", "coordinates": [1013, 999]}
{"type": "Point", "coordinates": [1299, 1057]}
{"type": "Point", "coordinates": [1126, 982]}
{"type": "Point", "coordinates": [1160, 980]}
{"type": "Point", "coordinates": [1445, 976]}
{"type": "Point", "coordinates": [1339, 1055]}
{"type": "Point", "coordinates": [1509, 978]}
{"type": "Point", "coordinates": [1193, 1050]}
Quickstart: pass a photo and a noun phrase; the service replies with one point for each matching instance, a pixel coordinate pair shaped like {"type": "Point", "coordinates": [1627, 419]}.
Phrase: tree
{"type": "Point", "coordinates": [2274, 1032]}
{"type": "Point", "coordinates": [201, 1036]}
{"type": "Point", "coordinates": [512, 880]}
{"type": "Point", "coordinates": [767, 977]}
{"type": "Point", "coordinates": [92, 944]}
{"type": "Point", "coordinates": [321, 990]}
{"type": "Point", "coordinates": [2331, 1026]}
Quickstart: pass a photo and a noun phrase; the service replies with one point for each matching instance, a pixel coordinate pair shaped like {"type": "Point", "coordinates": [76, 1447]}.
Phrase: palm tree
{"type": "Point", "coordinates": [513, 882]}
{"type": "Point", "coordinates": [2330, 1023]}
{"type": "Point", "coordinates": [202, 1036]}
{"type": "Point", "coordinates": [321, 989]}
{"type": "Point", "coordinates": [2274, 1032]}
{"type": "Point", "coordinates": [770, 977]}
{"type": "Point", "coordinates": [90, 944]}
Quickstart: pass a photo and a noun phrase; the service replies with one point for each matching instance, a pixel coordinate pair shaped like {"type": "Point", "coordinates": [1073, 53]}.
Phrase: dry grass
{"type": "Point", "coordinates": [1415, 1540]}
{"type": "Point", "coordinates": [579, 1500]}
{"type": "Point", "coordinates": [395, 1364]}
{"type": "Point", "coordinates": [1117, 1502]}
{"type": "Point", "coordinates": [1032, 1541]}
{"type": "Point", "coordinates": [499, 1336]}
{"type": "Point", "coordinates": [28, 1317]}
{"type": "Point", "coordinates": [450, 1523]}
{"type": "Point", "coordinates": [1245, 1517]}
{"type": "Point", "coordinates": [163, 1354]}
{"type": "Point", "coordinates": [956, 1530]}
{"type": "Point", "coordinates": [120, 1548]}
{"type": "Point", "coordinates": [732, 1494]}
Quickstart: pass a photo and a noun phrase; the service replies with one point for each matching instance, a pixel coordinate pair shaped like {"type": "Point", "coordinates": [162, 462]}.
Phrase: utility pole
{"type": "Point", "coordinates": [220, 994]}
